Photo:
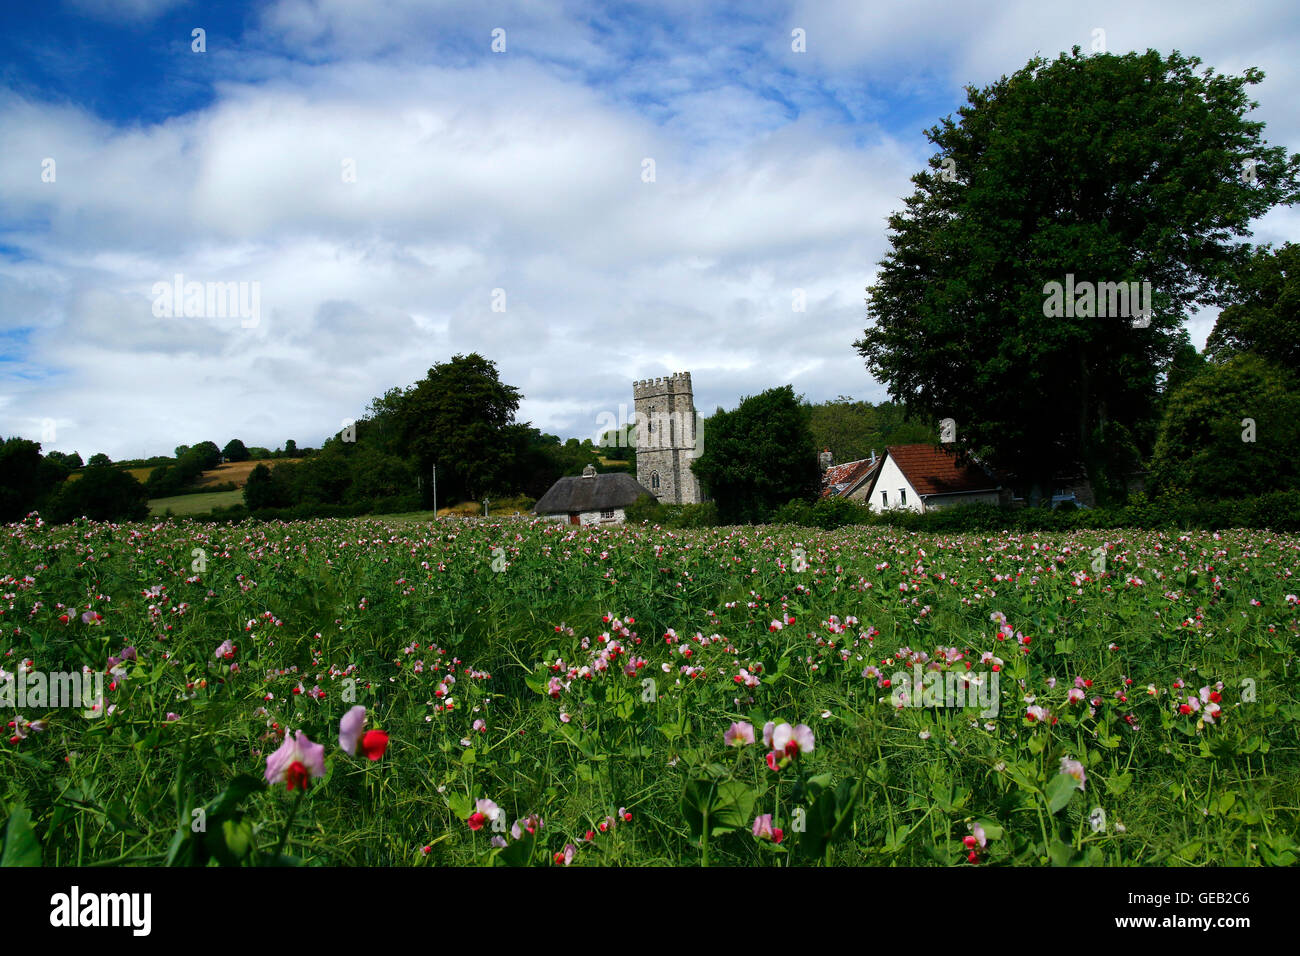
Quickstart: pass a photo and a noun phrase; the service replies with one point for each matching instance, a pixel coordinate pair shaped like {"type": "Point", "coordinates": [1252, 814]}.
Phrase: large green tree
{"type": "Point", "coordinates": [457, 417]}
{"type": "Point", "coordinates": [852, 430]}
{"type": "Point", "coordinates": [1110, 169]}
{"type": "Point", "coordinates": [25, 477]}
{"type": "Point", "coordinates": [1231, 431]}
{"type": "Point", "coordinates": [1265, 316]}
{"type": "Point", "coordinates": [235, 450]}
{"type": "Point", "coordinates": [759, 456]}
{"type": "Point", "coordinates": [102, 493]}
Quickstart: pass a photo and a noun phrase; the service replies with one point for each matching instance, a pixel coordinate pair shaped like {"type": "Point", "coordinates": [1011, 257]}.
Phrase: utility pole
{"type": "Point", "coordinates": [435, 492]}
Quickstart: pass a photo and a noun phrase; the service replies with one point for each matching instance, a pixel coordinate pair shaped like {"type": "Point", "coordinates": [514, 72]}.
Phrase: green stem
{"type": "Point", "coordinates": [288, 824]}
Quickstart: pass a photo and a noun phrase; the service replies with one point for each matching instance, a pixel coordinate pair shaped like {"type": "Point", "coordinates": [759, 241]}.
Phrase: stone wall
{"type": "Point", "coordinates": [666, 426]}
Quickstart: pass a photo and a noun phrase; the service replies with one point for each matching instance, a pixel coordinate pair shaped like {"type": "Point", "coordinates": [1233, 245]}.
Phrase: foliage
{"type": "Point", "coordinates": [26, 479]}
{"type": "Point", "coordinates": [456, 417]}
{"type": "Point", "coordinates": [1108, 168]}
{"type": "Point", "coordinates": [853, 430]}
{"type": "Point", "coordinates": [597, 670]}
{"type": "Point", "coordinates": [103, 493]}
{"type": "Point", "coordinates": [235, 450]}
{"type": "Point", "coordinates": [1207, 444]}
{"type": "Point", "coordinates": [1265, 317]}
{"type": "Point", "coordinates": [758, 456]}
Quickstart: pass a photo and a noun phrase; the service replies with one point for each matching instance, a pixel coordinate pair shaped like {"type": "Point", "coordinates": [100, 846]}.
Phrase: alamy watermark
{"type": "Point", "coordinates": [957, 689]}
{"type": "Point", "coordinates": [40, 689]}
{"type": "Point", "coordinates": [1129, 300]}
{"type": "Point", "coordinates": [210, 300]}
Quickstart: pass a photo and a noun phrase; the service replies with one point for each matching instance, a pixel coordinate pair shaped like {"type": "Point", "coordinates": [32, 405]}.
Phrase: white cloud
{"type": "Point", "coordinates": [477, 172]}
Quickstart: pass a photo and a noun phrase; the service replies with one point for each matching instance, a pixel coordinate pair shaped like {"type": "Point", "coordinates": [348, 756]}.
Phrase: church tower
{"type": "Point", "coordinates": [667, 440]}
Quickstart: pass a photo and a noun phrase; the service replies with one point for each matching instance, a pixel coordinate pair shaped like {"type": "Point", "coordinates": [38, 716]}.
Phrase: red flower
{"type": "Point", "coordinates": [476, 821]}
{"type": "Point", "coordinates": [374, 743]}
{"type": "Point", "coordinates": [296, 776]}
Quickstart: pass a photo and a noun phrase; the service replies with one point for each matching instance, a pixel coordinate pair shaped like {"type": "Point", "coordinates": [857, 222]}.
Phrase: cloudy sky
{"type": "Point", "coordinates": [395, 191]}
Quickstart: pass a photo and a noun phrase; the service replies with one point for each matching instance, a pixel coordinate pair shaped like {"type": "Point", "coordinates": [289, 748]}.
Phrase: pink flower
{"type": "Point", "coordinates": [792, 740]}
{"type": "Point", "coordinates": [480, 725]}
{"type": "Point", "coordinates": [350, 728]}
{"type": "Point", "coordinates": [224, 649]}
{"type": "Point", "coordinates": [763, 829]}
{"type": "Point", "coordinates": [1074, 768]}
{"type": "Point", "coordinates": [296, 762]}
{"type": "Point", "coordinates": [786, 742]}
{"type": "Point", "coordinates": [739, 734]}
{"type": "Point", "coordinates": [484, 812]}
{"type": "Point", "coordinates": [566, 857]}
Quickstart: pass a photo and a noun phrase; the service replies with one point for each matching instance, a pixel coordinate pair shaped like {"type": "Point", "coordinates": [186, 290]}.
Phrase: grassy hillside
{"type": "Point", "coordinates": [195, 504]}
{"type": "Point", "coordinates": [139, 474]}
{"type": "Point", "coordinates": [237, 471]}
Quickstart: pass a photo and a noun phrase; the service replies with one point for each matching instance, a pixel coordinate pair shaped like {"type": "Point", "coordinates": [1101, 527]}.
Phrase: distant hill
{"type": "Point", "coordinates": [236, 471]}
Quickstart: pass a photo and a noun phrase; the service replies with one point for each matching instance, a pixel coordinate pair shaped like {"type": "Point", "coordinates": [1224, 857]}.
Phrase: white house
{"type": "Point", "coordinates": [926, 478]}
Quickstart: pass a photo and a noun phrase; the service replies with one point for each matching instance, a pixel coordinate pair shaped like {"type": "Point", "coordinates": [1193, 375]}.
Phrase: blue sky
{"type": "Point", "coordinates": [512, 178]}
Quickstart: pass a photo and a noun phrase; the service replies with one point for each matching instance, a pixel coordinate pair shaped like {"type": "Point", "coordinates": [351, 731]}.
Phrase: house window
{"type": "Point", "coordinates": [884, 499]}
{"type": "Point", "coordinates": [607, 515]}
{"type": "Point", "coordinates": [654, 481]}
{"type": "Point", "coordinates": [902, 496]}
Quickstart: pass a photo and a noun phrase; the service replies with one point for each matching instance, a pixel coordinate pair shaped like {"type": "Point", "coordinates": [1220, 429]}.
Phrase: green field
{"type": "Point", "coordinates": [195, 504]}
{"type": "Point", "coordinates": [641, 696]}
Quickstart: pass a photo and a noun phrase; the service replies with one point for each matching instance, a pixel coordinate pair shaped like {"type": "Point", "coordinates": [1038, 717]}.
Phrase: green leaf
{"type": "Point", "coordinates": [538, 680]}
{"type": "Point", "coordinates": [461, 805]}
{"type": "Point", "coordinates": [729, 805]}
{"type": "Point", "coordinates": [232, 842]}
{"type": "Point", "coordinates": [21, 848]}
{"type": "Point", "coordinates": [1118, 784]}
{"type": "Point", "coordinates": [1059, 792]}
{"type": "Point", "coordinates": [229, 799]}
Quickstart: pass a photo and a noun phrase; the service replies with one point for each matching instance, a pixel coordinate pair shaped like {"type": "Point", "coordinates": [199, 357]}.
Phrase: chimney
{"type": "Point", "coordinates": [589, 471]}
{"type": "Point", "coordinates": [873, 456]}
{"type": "Point", "coordinates": [825, 459]}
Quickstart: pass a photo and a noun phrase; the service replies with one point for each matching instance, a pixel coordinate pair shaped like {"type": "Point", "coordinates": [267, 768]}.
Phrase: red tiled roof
{"type": "Point", "coordinates": [934, 471]}
{"type": "Point", "coordinates": [839, 478]}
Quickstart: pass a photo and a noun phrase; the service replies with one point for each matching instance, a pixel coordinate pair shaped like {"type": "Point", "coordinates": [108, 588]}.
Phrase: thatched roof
{"type": "Point", "coordinates": [598, 493]}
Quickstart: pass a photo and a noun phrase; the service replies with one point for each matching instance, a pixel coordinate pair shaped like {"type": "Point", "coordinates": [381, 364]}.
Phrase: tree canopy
{"type": "Point", "coordinates": [759, 456]}
{"type": "Point", "coordinates": [1265, 318]}
{"type": "Point", "coordinates": [1230, 431]}
{"type": "Point", "coordinates": [1096, 169]}
{"type": "Point", "coordinates": [235, 450]}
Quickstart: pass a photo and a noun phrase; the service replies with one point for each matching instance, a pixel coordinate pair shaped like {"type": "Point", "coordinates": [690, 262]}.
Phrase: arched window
{"type": "Point", "coordinates": [654, 481]}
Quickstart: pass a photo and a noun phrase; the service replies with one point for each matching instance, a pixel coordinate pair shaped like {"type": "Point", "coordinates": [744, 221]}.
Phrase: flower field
{"type": "Point", "coordinates": [391, 693]}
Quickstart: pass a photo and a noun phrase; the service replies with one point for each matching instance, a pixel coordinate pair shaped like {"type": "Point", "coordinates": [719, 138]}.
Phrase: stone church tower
{"type": "Point", "coordinates": [666, 438]}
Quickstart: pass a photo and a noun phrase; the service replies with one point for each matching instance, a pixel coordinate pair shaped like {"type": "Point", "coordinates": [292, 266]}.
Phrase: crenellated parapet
{"type": "Point", "coordinates": [678, 383]}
